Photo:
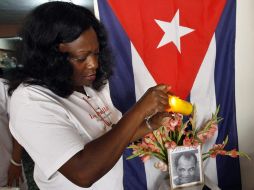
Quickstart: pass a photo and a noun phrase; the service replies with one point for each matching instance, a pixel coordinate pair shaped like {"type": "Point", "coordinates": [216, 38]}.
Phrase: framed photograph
{"type": "Point", "coordinates": [185, 167]}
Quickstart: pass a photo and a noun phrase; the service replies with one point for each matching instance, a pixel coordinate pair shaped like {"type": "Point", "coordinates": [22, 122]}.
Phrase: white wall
{"type": "Point", "coordinates": [245, 87]}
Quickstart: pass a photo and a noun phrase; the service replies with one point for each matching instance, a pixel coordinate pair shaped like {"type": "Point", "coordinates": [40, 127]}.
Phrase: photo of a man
{"type": "Point", "coordinates": [186, 168]}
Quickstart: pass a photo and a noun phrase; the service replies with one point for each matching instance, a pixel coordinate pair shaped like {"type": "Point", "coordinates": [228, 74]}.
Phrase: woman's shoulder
{"type": "Point", "coordinates": [26, 93]}
{"type": "Point", "coordinates": [24, 88]}
{"type": "Point", "coordinates": [34, 99]}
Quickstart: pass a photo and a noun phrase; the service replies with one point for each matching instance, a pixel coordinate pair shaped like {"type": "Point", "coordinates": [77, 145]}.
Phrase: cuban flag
{"type": "Point", "coordinates": [188, 45]}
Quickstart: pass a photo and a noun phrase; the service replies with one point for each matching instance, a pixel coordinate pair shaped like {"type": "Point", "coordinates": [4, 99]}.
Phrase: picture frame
{"type": "Point", "coordinates": [185, 167]}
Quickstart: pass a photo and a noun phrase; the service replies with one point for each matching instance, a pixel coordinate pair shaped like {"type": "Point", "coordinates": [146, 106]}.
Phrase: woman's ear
{"type": "Point", "coordinates": [62, 47]}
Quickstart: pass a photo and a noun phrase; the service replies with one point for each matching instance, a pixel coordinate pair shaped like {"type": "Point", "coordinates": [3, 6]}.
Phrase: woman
{"type": "Point", "coordinates": [61, 111]}
{"type": "Point", "coordinates": [11, 170]}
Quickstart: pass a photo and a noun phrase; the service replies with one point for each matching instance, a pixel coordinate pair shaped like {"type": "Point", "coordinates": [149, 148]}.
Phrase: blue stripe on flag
{"type": "Point", "coordinates": [122, 89]}
{"type": "Point", "coordinates": [228, 168]}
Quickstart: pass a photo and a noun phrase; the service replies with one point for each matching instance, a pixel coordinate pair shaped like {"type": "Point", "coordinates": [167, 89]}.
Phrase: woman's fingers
{"type": "Point", "coordinates": [154, 100]}
{"type": "Point", "coordinates": [157, 97]}
{"type": "Point", "coordinates": [10, 181]}
{"type": "Point", "coordinates": [163, 87]}
{"type": "Point", "coordinates": [17, 182]}
{"type": "Point", "coordinates": [14, 175]}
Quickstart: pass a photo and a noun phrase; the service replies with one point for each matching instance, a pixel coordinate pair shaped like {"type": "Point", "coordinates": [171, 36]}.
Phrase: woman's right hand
{"type": "Point", "coordinates": [154, 100]}
{"type": "Point", "coordinates": [110, 146]}
{"type": "Point", "coordinates": [14, 175]}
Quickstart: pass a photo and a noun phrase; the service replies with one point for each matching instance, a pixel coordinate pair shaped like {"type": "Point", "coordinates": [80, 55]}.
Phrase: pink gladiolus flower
{"type": "Point", "coordinates": [222, 152]}
{"type": "Point", "coordinates": [233, 153]}
{"type": "Point", "coordinates": [161, 166]}
{"type": "Point", "coordinates": [213, 155]}
{"type": "Point", "coordinates": [170, 125]}
{"type": "Point", "coordinates": [150, 136]}
{"type": "Point", "coordinates": [143, 145]}
{"type": "Point", "coordinates": [173, 123]}
{"type": "Point", "coordinates": [195, 143]}
{"type": "Point", "coordinates": [179, 118]}
{"type": "Point", "coordinates": [209, 135]}
{"type": "Point", "coordinates": [145, 158]}
{"type": "Point", "coordinates": [167, 145]}
{"type": "Point", "coordinates": [187, 141]}
{"type": "Point", "coordinates": [202, 137]}
{"type": "Point", "coordinates": [170, 128]}
{"type": "Point", "coordinates": [218, 146]}
{"type": "Point", "coordinates": [213, 128]}
{"type": "Point", "coordinates": [170, 145]}
{"type": "Point", "coordinates": [173, 144]}
{"type": "Point", "coordinates": [153, 148]}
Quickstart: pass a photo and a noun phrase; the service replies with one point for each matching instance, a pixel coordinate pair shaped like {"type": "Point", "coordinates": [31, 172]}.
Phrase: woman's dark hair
{"type": "Point", "coordinates": [41, 63]}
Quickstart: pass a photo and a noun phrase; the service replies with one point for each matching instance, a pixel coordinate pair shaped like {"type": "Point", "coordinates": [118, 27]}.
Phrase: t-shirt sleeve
{"type": "Point", "coordinates": [3, 98]}
{"type": "Point", "coordinates": [46, 132]}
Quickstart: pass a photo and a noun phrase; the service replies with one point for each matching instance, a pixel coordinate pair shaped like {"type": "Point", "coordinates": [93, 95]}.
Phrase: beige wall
{"type": "Point", "coordinates": [245, 87]}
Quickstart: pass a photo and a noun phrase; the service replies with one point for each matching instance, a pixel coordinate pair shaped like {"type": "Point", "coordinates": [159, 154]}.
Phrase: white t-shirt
{"type": "Point", "coordinates": [53, 129]}
{"type": "Point", "coordinates": [5, 137]}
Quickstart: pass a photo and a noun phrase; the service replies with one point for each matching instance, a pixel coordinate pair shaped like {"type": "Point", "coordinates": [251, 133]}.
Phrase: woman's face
{"type": "Point", "coordinates": [83, 55]}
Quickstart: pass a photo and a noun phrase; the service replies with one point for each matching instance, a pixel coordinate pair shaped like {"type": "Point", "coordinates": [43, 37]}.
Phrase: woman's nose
{"type": "Point", "coordinates": [92, 61]}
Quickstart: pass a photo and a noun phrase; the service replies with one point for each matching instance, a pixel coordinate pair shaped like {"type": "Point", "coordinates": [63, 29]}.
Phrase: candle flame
{"type": "Point", "coordinates": [178, 105]}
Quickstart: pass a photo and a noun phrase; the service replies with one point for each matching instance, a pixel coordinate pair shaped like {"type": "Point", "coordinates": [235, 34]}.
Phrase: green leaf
{"type": "Point", "coordinates": [132, 156]}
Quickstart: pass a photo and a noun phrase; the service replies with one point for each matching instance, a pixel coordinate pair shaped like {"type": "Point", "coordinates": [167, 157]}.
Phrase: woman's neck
{"type": "Point", "coordinates": [80, 89]}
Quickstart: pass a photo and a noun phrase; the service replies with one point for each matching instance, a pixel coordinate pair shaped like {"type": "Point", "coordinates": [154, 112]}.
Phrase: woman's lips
{"type": "Point", "coordinates": [90, 77]}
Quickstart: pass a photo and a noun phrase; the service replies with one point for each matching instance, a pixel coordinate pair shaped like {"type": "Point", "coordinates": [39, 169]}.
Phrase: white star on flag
{"type": "Point", "coordinates": [172, 31]}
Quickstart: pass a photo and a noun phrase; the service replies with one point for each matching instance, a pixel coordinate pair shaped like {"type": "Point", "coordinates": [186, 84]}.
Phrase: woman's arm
{"type": "Point", "coordinates": [101, 154]}
{"type": "Point", "coordinates": [15, 168]}
{"type": "Point", "coordinates": [154, 123]}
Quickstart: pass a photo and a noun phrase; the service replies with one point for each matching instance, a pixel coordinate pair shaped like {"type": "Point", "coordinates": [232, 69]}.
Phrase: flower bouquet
{"type": "Point", "coordinates": [180, 131]}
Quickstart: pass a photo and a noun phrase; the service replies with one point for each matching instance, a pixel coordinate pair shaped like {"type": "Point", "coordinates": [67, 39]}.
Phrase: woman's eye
{"type": "Point", "coordinates": [81, 59]}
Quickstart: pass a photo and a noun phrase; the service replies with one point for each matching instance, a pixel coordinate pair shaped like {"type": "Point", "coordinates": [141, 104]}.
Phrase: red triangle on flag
{"type": "Point", "coordinates": [177, 60]}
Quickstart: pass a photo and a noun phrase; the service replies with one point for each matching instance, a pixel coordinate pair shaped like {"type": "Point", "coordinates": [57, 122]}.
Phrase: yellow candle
{"type": "Point", "coordinates": [178, 105]}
